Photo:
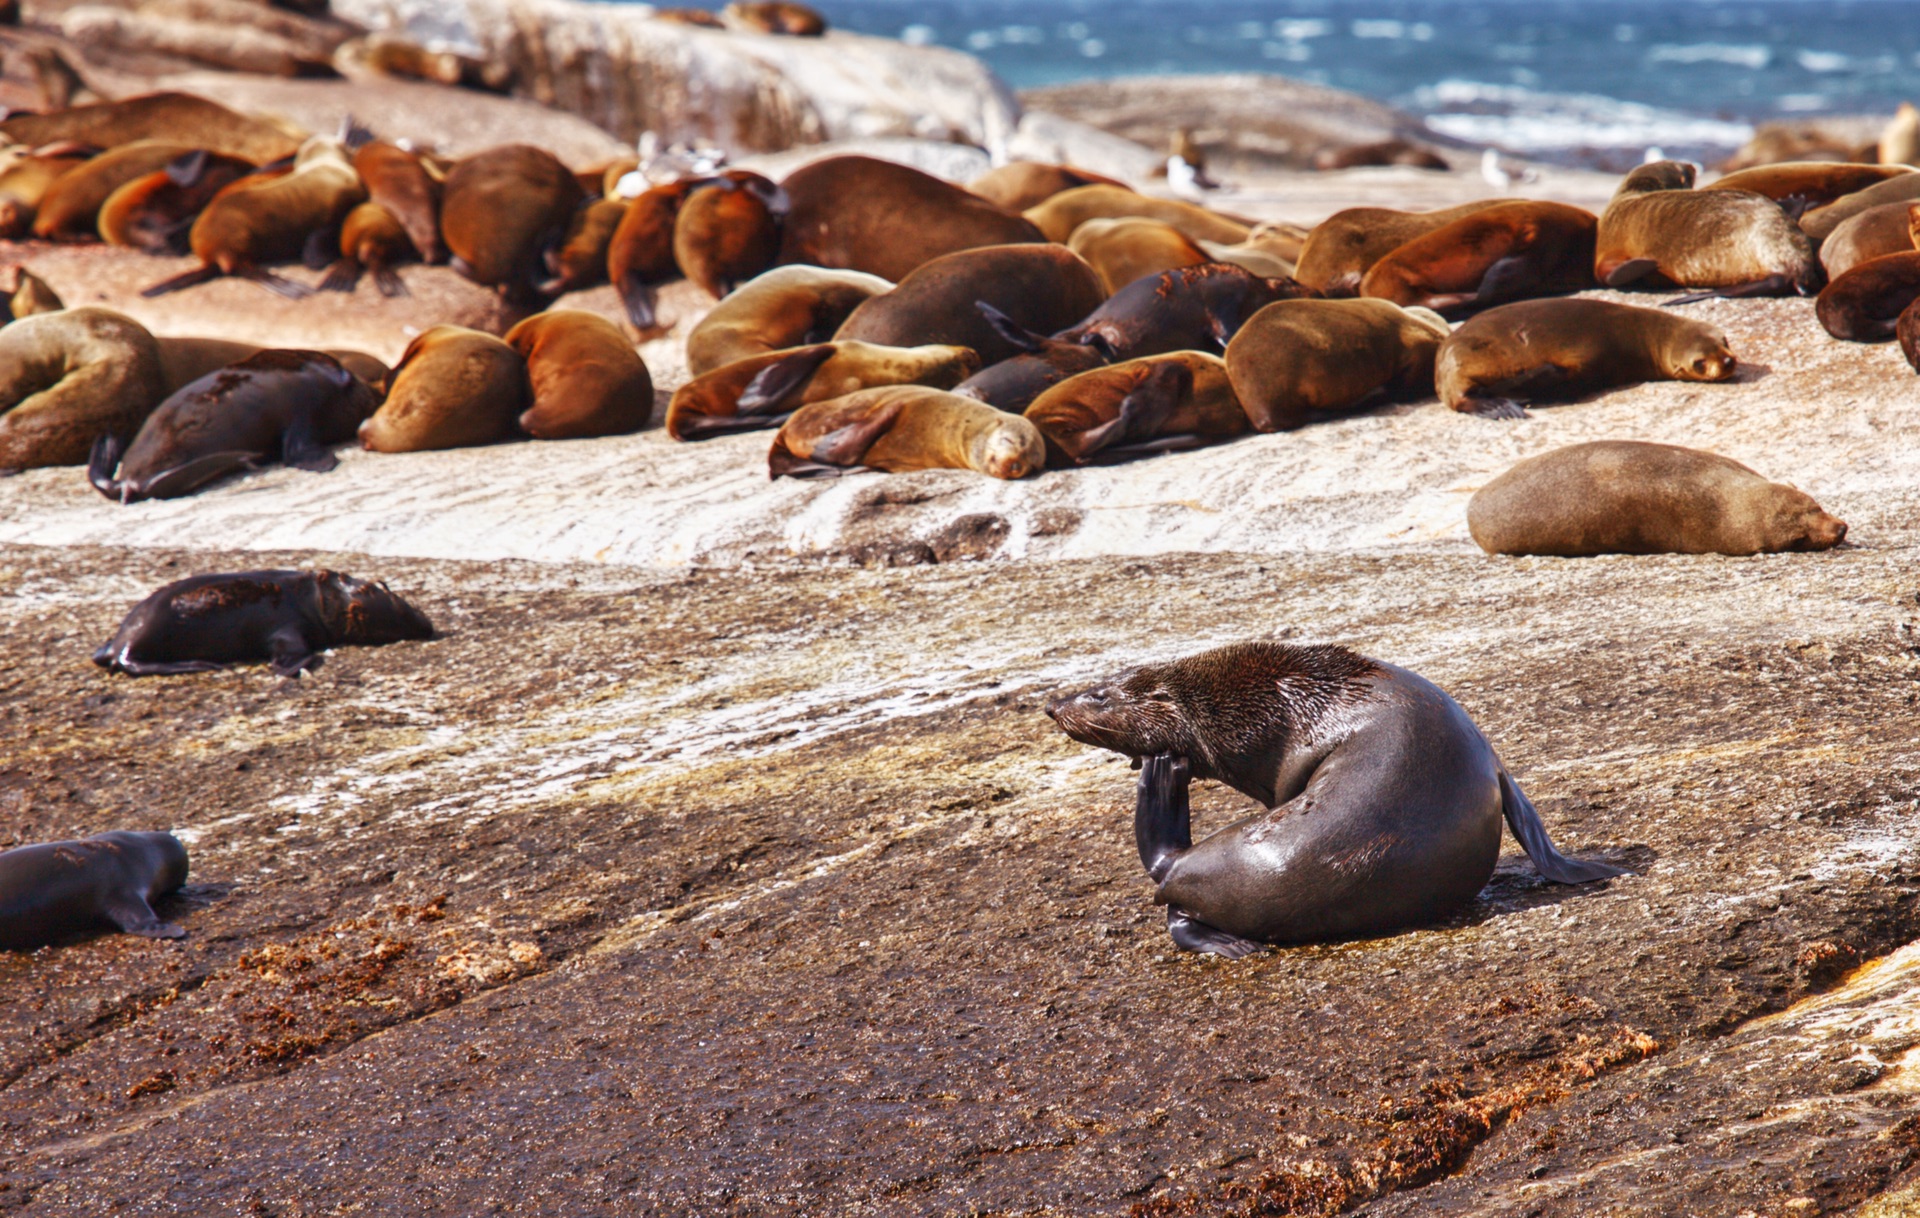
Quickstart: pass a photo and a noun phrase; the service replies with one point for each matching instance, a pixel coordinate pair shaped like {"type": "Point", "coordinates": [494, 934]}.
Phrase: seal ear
{"type": "Point", "coordinates": [1026, 340]}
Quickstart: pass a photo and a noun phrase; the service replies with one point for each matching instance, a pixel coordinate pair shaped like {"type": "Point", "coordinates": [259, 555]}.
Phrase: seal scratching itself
{"type": "Point", "coordinates": [55, 889]}
{"type": "Point", "coordinates": [1384, 801]}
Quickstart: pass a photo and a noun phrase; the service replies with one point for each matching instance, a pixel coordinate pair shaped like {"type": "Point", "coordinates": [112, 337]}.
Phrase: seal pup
{"type": "Point", "coordinates": [1384, 799]}
{"type": "Point", "coordinates": [1799, 186]}
{"type": "Point", "coordinates": [580, 260]}
{"type": "Point", "coordinates": [55, 889]}
{"type": "Point", "coordinates": [1128, 248]}
{"type": "Point", "coordinates": [760, 391]}
{"type": "Point", "coordinates": [500, 210]}
{"type": "Point", "coordinates": [1632, 497]}
{"type": "Point", "coordinates": [1059, 215]}
{"type": "Point", "coordinates": [157, 116]}
{"type": "Point", "coordinates": [1161, 403]}
{"type": "Point", "coordinates": [70, 207]}
{"type": "Point", "coordinates": [586, 378]}
{"type": "Point", "coordinates": [858, 213]}
{"type": "Point", "coordinates": [1019, 185]}
{"type": "Point", "coordinates": [965, 299]}
{"type": "Point", "coordinates": [453, 388]}
{"type": "Point", "coordinates": [788, 306]}
{"type": "Point", "coordinates": [1298, 358]}
{"type": "Point", "coordinates": [156, 212]}
{"type": "Point", "coordinates": [289, 404]}
{"type": "Point", "coordinates": [640, 253]}
{"type": "Point", "coordinates": [1543, 350]}
{"type": "Point", "coordinates": [728, 230]}
{"type": "Point", "coordinates": [1864, 305]}
{"type": "Point", "coordinates": [286, 618]}
{"type": "Point", "coordinates": [1341, 249]}
{"type": "Point", "coordinates": [901, 428]}
{"type": "Point", "coordinates": [1514, 251]}
{"type": "Point", "coordinates": [1191, 308]}
{"type": "Point", "coordinates": [1658, 231]}
{"type": "Point", "coordinates": [1873, 233]}
{"type": "Point", "coordinates": [67, 378]}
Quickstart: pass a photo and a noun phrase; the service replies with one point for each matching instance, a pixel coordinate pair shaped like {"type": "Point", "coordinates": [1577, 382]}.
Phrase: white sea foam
{"type": "Point", "coordinates": [1527, 120]}
{"type": "Point", "coordinates": [1739, 56]}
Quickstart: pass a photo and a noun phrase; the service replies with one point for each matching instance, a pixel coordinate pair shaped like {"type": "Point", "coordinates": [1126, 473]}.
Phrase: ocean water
{"type": "Point", "coordinates": [1555, 79]}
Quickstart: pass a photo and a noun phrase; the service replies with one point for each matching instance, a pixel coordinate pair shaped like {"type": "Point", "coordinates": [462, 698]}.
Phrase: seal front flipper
{"type": "Point", "coordinates": [1549, 862]}
{"type": "Point", "coordinates": [187, 169]}
{"type": "Point", "coordinates": [101, 464]}
{"type": "Point", "coordinates": [186, 279]}
{"type": "Point", "coordinates": [1142, 412]}
{"type": "Point", "coordinates": [773, 384]}
{"type": "Point", "coordinates": [1026, 340]}
{"type": "Point", "coordinates": [1491, 407]}
{"type": "Point", "coordinates": [292, 653]}
{"type": "Point", "coordinates": [1192, 935]}
{"type": "Point", "coordinates": [188, 477]}
{"type": "Point", "coordinates": [1633, 270]}
{"type": "Point", "coordinates": [299, 449]}
{"type": "Point", "coordinates": [846, 445]}
{"type": "Point", "coordinates": [783, 464]}
{"type": "Point", "coordinates": [130, 912]}
{"type": "Point", "coordinates": [1162, 820]}
{"type": "Point", "coordinates": [1772, 285]}
{"type": "Point", "coordinates": [637, 297]}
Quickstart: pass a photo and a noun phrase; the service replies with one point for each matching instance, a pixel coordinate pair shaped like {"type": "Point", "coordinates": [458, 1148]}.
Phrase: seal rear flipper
{"type": "Point", "coordinates": [705, 427]}
{"type": "Point", "coordinates": [186, 279]}
{"type": "Point", "coordinates": [1549, 862]}
{"type": "Point", "coordinates": [279, 285]}
{"type": "Point", "coordinates": [299, 449]}
{"type": "Point", "coordinates": [1506, 277]}
{"type": "Point", "coordinates": [101, 464]}
{"type": "Point", "coordinates": [186, 478]}
{"type": "Point", "coordinates": [1778, 284]}
{"type": "Point", "coordinates": [773, 384]}
{"type": "Point", "coordinates": [1491, 407]}
{"type": "Point", "coordinates": [846, 445]}
{"type": "Point", "coordinates": [131, 913]}
{"type": "Point", "coordinates": [342, 276]}
{"type": "Point", "coordinates": [1022, 338]}
{"type": "Point", "coordinates": [1633, 270]}
{"type": "Point", "coordinates": [322, 245]}
{"type": "Point", "coordinates": [637, 297]}
{"type": "Point", "coordinates": [1184, 442]}
{"type": "Point", "coordinates": [389, 282]}
{"type": "Point", "coordinates": [292, 653]}
{"type": "Point", "coordinates": [1162, 820]}
{"type": "Point", "coordinates": [1192, 935]}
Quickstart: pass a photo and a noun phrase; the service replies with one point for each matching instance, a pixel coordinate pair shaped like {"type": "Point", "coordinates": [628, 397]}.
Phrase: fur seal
{"type": "Point", "coordinates": [1384, 800]}
{"type": "Point", "coordinates": [1059, 215]}
{"type": "Point", "coordinates": [399, 181]}
{"type": "Point", "coordinates": [55, 889]}
{"type": "Point", "coordinates": [185, 360]}
{"type": "Point", "coordinates": [293, 405]}
{"type": "Point", "coordinates": [1272, 250]}
{"type": "Point", "coordinates": [587, 379]}
{"type": "Point", "coordinates": [264, 219]}
{"type": "Point", "coordinates": [453, 388]}
{"type": "Point", "coordinates": [1657, 231]}
{"type": "Point", "coordinates": [371, 239]}
{"type": "Point", "coordinates": [1381, 152]}
{"type": "Point", "coordinates": [287, 618]}
{"type": "Point", "coordinates": [1162, 403]}
{"type": "Point", "coordinates": [1043, 362]}
{"type": "Point", "coordinates": [1296, 358]}
{"type": "Point", "coordinates": [68, 378]}
{"type": "Point", "coordinates": [1873, 233]}
{"type": "Point", "coordinates": [788, 306]}
{"type": "Point", "coordinates": [580, 260]}
{"type": "Point", "coordinates": [1341, 249]}
{"type": "Point", "coordinates": [773, 17]}
{"type": "Point", "coordinates": [1514, 251]}
{"type": "Point", "coordinates": [156, 212]}
{"type": "Point", "coordinates": [728, 230]}
{"type": "Point", "coordinates": [1019, 185]}
{"type": "Point", "coordinates": [23, 294]}
{"type": "Point", "coordinates": [1799, 186]}
{"type": "Point", "coordinates": [1542, 350]}
{"type": "Point", "coordinates": [861, 214]}
{"type": "Point", "coordinates": [26, 181]}
{"type": "Point", "coordinates": [760, 391]}
{"type": "Point", "coordinates": [157, 116]}
{"type": "Point", "coordinates": [70, 208]}
{"type": "Point", "coordinates": [1191, 308]}
{"type": "Point", "coordinates": [1631, 497]}
{"type": "Point", "coordinates": [1821, 221]}
{"type": "Point", "coordinates": [905, 427]}
{"type": "Point", "coordinates": [640, 254]}
{"type": "Point", "coordinates": [965, 299]}
{"type": "Point", "coordinates": [1864, 305]}
{"type": "Point", "coordinates": [500, 210]}
{"type": "Point", "coordinates": [1900, 138]}
{"type": "Point", "coordinates": [1127, 248]}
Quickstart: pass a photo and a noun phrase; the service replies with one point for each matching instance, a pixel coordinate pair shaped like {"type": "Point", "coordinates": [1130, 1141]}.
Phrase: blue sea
{"type": "Point", "coordinates": [1549, 78]}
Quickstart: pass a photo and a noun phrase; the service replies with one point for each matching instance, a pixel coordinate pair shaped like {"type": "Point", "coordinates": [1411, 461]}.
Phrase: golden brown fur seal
{"type": "Point", "coordinates": [67, 378]}
{"type": "Point", "coordinates": [1657, 230]}
{"type": "Point", "coordinates": [1162, 403]}
{"type": "Point", "coordinates": [1542, 350]}
{"type": "Point", "coordinates": [1821, 221]}
{"type": "Point", "coordinates": [760, 391]}
{"type": "Point", "coordinates": [728, 230]}
{"type": "Point", "coordinates": [698, 17]}
{"type": "Point", "coordinates": [157, 116]}
{"type": "Point", "coordinates": [967, 299]}
{"type": "Point", "coordinates": [587, 379]}
{"type": "Point", "coordinates": [1060, 214]}
{"type": "Point", "coordinates": [25, 293]}
{"type": "Point", "coordinates": [1019, 185]}
{"type": "Point", "coordinates": [580, 260]}
{"type": "Point", "coordinates": [1873, 233]}
{"type": "Point", "coordinates": [1515, 251]}
{"type": "Point", "coordinates": [1341, 249]}
{"type": "Point", "coordinates": [902, 428]}
{"type": "Point", "coordinates": [1298, 358]}
{"type": "Point", "coordinates": [861, 214]}
{"type": "Point", "coordinates": [26, 181]}
{"type": "Point", "coordinates": [1271, 250]}
{"type": "Point", "coordinates": [640, 253]}
{"type": "Point", "coordinates": [70, 208]}
{"type": "Point", "coordinates": [773, 17]}
{"type": "Point", "coordinates": [789, 306]}
{"type": "Point", "coordinates": [1132, 247]}
{"type": "Point", "coordinates": [1630, 497]}
{"type": "Point", "coordinates": [1900, 139]}
{"type": "Point", "coordinates": [452, 388]}
{"type": "Point", "coordinates": [399, 181]}
{"type": "Point", "coordinates": [499, 212]}
{"type": "Point", "coordinates": [1864, 305]}
{"type": "Point", "coordinates": [371, 239]}
{"type": "Point", "coordinates": [1800, 186]}
{"type": "Point", "coordinates": [1381, 152]}
{"type": "Point", "coordinates": [156, 212]}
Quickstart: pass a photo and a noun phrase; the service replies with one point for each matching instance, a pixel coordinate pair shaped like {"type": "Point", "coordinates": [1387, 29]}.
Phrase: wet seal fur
{"type": "Point", "coordinates": [52, 890]}
{"type": "Point", "coordinates": [901, 428]}
{"type": "Point", "coordinates": [759, 392]}
{"type": "Point", "coordinates": [69, 378]}
{"type": "Point", "coordinates": [788, 306]}
{"type": "Point", "coordinates": [1193, 308]}
{"type": "Point", "coordinates": [1632, 497]}
{"type": "Point", "coordinates": [1161, 403]}
{"type": "Point", "coordinates": [1298, 358]}
{"type": "Point", "coordinates": [1514, 251]}
{"type": "Point", "coordinates": [587, 379]}
{"type": "Point", "coordinates": [1658, 231]}
{"type": "Point", "coordinates": [1384, 800]}
{"type": "Point", "coordinates": [286, 618]}
{"type": "Point", "coordinates": [1546, 350]}
{"type": "Point", "coordinates": [1864, 305]}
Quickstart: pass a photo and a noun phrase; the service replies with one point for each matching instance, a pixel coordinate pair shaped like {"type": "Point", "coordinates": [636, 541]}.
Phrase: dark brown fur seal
{"type": "Point", "coordinates": [1515, 251]}
{"type": "Point", "coordinates": [1385, 801]}
{"type": "Point", "coordinates": [862, 214]}
{"type": "Point", "coordinates": [1129, 248]}
{"type": "Point", "coordinates": [398, 180]}
{"type": "Point", "coordinates": [1043, 362]}
{"type": "Point", "coordinates": [156, 212]}
{"type": "Point", "coordinates": [580, 260]}
{"type": "Point", "coordinates": [70, 208]}
{"type": "Point", "coordinates": [1038, 287]}
{"type": "Point", "coordinates": [587, 379]}
{"type": "Point", "coordinates": [1541, 350]}
{"type": "Point", "coordinates": [1059, 215]}
{"type": "Point", "coordinates": [286, 618]}
{"type": "Point", "coordinates": [453, 388]}
{"type": "Point", "coordinates": [640, 254]}
{"type": "Point", "coordinates": [1907, 330]}
{"type": "Point", "coordinates": [1341, 249]}
{"type": "Point", "coordinates": [1864, 305]}
{"type": "Point", "coordinates": [728, 230]}
{"type": "Point", "coordinates": [1873, 233]}
{"type": "Point", "coordinates": [1194, 308]}
{"type": "Point", "coordinates": [1629, 497]}
{"type": "Point", "coordinates": [901, 428]}
{"type": "Point", "coordinates": [760, 391]}
{"type": "Point", "coordinates": [56, 889]}
{"type": "Point", "coordinates": [157, 116]}
{"type": "Point", "coordinates": [789, 306]}
{"type": "Point", "coordinates": [68, 378]}
{"type": "Point", "coordinates": [1022, 184]}
{"type": "Point", "coordinates": [500, 210]}
{"type": "Point", "coordinates": [1163, 403]}
{"type": "Point", "coordinates": [184, 360]}
{"type": "Point", "coordinates": [1658, 231]}
{"type": "Point", "coordinates": [290, 405]}
{"type": "Point", "coordinates": [1298, 358]}
{"type": "Point", "coordinates": [774, 17]}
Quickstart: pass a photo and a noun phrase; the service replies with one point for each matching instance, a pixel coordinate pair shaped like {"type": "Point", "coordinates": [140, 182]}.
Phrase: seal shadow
{"type": "Point", "coordinates": [1745, 373]}
{"type": "Point", "coordinates": [1516, 887]}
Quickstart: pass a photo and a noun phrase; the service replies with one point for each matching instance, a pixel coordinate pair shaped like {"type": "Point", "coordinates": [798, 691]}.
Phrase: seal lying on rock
{"type": "Point", "coordinates": [1191, 308]}
{"type": "Point", "coordinates": [1657, 230]}
{"type": "Point", "coordinates": [759, 392]}
{"type": "Point", "coordinates": [1384, 800]}
{"type": "Point", "coordinates": [789, 306]}
{"type": "Point", "coordinates": [1296, 358]}
{"type": "Point", "coordinates": [904, 427]}
{"type": "Point", "coordinates": [286, 618]}
{"type": "Point", "coordinates": [1162, 403]}
{"type": "Point", "coordinates": [67, 378]}
{"type": "Point", "coordinates": [55, 889]}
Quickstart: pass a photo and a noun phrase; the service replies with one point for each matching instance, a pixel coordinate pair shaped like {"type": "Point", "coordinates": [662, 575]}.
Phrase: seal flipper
{"type": "Point", "coordinates": [1778, 284]}
{"type": "Point", "coordinates": [299, 449]}
{"type": "Point", "coordinates": [131, 913]}
{"type": "Point", "coordinates": [1183, 442]}
{"type": "Point", "coordinates": [292, 653]}
{"type": "Point", "coordinates": [186, 279]}
{"type": "Point", "coordinates": [1526, 826]}
{"type": "Point", "coordinates": [101, 464]}
{"type": "Point", "coordinates": [1162, 820]}
{"type": "Point", "coordinates": [279, 285]}
{"type": "Point", "coordinates": [168, 668]}
{"type": "Point", "coordinates": [187, 169]}
{"type": "Point", "coordinates": [186, 478]}
{"type": "Point", "coordinates": [342, 276]}
{"type": "Point", "coordinates": [783, 464]}
{"type": "Point", "coordinates": [1504, 278]}
{"type": "Point", "coordinates": [1024, 339]}
{"type": "Point", "coordinates": [773, 384]}
{"type": "Point", "coordinates": [1492, 407]}
{"type": "Point", "coordinates": [1633, 270]}
{"type": "Point", "coordinates": [637, 297]}
{"type": "Point", "coordinates": [1143, 411]}
{"type": "Point", "coordinates": [1189, 934]}
{"type": "Point", "coordinates": [389, 282]}
{"type": "Point", "coordinates": [846, 445]}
